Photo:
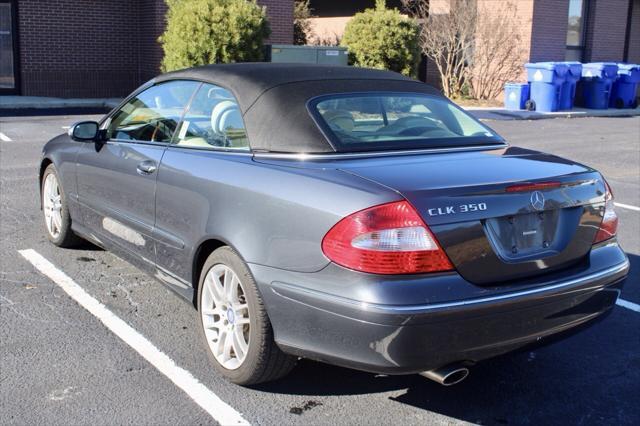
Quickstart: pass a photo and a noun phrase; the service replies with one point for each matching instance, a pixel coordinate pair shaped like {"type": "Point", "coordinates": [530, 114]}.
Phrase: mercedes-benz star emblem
{"type": "Point", "coordinates": [537, 200]}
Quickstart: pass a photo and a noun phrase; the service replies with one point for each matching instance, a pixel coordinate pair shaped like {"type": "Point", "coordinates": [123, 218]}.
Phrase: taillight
{"type": "Point", "coordinates": [609, 225]}
{"type": "Point", "coordinates": [385, 239]}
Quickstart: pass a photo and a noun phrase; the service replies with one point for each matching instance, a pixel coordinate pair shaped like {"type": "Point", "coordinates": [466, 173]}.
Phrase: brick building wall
{"type": "Point", "coordinates": [280, 13]}
{"type": "Point", "coordinates": [524, 16]}
{"type": "Point", "coordinates": [606, 30]}
{"type": "Point", "coordinates": [151, 21]}
{"type": "Point", "coordinates": [634, 36]}
{"type": "Point", "coordinates": [90, 48]}
{"type": "Point", "coordinates": [543, 30]}
{"type": "Point", "coordinates": [548, 29]}
{"type": "Point", "coordinates": [76, 47]}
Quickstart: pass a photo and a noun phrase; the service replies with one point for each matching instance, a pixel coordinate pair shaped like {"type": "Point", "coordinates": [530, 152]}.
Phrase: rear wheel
{"type": "Point", "coordinates": [234, 322]}
{"type": "Point", "coordinates": [55, 210]}
{"type": "Point", "coordinates": [530, 105]}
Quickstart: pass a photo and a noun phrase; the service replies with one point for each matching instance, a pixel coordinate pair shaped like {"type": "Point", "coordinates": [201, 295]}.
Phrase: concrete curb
{"type": "Point", "coordinates": [35, 102]}
{"type": "Point", "coordinates": [504, 114]}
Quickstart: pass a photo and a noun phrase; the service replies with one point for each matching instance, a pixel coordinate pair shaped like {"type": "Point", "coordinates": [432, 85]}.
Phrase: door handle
{"type": "Point", "coordinates": [146, 168]}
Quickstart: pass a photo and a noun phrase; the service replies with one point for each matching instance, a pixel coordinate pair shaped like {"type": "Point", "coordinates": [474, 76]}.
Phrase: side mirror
{"type": "Point", "coordinates": [84, 131]}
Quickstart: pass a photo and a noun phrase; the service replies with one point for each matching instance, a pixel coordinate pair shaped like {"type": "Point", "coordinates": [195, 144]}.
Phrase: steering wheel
{"type": "Point", "coordinates": [158, 123]}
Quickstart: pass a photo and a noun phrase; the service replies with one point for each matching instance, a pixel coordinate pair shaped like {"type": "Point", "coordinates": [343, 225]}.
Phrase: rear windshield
{"type": "Point", "coordinates": [383, 121]}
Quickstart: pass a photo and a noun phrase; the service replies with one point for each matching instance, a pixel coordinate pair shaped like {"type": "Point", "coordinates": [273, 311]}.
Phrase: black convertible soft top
{"type": "Point", "coordinates": [273, 97]}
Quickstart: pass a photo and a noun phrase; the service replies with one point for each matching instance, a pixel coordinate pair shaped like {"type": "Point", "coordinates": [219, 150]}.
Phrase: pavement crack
{"type": "Point", "coordinates": [127, 296]}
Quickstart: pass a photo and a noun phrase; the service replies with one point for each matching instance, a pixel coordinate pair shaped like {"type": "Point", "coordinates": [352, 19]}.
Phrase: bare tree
{"type": "Point", "coordinates": [474, 45]}
{"type": "Point", "coordinates": [447, 39]}
{"type": "Point", "coordinates": [326, 39]}
{"type": "Point", "coordinates": [498, 53]}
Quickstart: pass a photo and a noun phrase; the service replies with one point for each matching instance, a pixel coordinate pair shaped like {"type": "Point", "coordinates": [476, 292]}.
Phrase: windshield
{"type": "Point", "coordinates": [379, 121]}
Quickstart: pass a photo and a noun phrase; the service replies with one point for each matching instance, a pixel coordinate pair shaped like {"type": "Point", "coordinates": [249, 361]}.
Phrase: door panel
{"type": "Point", "coordinates": [118, 200]}
{"type": "Point", "coordinates": [212, 122]}
{"type": "Point", "coordinates": [117, 178]}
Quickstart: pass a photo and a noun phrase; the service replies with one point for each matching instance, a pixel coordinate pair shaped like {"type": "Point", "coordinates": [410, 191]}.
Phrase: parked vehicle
{"type": "Point", "coordinates": [341, 214]}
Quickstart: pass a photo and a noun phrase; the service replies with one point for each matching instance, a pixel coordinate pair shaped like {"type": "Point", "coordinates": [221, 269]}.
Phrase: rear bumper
{"type": "Point", "coordinates": [457, 322]}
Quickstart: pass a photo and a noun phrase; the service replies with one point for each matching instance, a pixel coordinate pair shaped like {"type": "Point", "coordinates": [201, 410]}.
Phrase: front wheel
{"type": "Point", "coordinates": [234, 322]}
{"type": "Point", "coordinates": [55, 210]}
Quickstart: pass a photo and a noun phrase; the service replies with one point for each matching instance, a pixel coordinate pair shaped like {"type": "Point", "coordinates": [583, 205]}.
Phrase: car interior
{"type": "Point", "coordinates": [213, 120]}
{"type": "Point", "coordinates": [369, 119]}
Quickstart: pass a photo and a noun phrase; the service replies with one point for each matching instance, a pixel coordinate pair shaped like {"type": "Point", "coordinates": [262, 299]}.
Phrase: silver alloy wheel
{"type": "Point", "coordinates": [52, 205]}
{"type": "Point", "coordinates": [225, 316]}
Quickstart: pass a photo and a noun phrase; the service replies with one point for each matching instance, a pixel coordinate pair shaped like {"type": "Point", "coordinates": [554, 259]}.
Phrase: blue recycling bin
{"type": "Point", "coordinates": [597, 81]}
{"type": "Point", "coordinates": [568, 93]}
{"type": "Point", "coordinates": [516, 95]}
{"type": "Point", "coordinates": [546, 79]}
{"type": "Point", "coordinates": [623, 91]}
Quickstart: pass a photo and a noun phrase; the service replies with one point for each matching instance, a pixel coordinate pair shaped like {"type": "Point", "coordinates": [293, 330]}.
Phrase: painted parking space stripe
{"type": "Point", "coordinates": [627, 206]}
{"type": "Point", "coordinates": [4, 137]}
{"type": "Point", "coordinates": [203, 396]}
{"type": "Point", "coordinates": [629, 305]}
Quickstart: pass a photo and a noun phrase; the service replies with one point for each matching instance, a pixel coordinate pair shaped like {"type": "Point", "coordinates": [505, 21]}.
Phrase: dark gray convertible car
{"type": "Point", "coordinates": [346, 215]}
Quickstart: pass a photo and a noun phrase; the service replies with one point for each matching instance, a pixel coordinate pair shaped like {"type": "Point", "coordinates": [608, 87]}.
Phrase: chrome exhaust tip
{"type": "Point", "coordinates": [448, 375]}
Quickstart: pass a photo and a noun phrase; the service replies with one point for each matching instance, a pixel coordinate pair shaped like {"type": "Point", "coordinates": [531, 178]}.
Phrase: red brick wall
{"type": "Point", "coordinates": [77, 47]}
{"type": "Point", "coordinates": [91, 48]}
{"type": "Point", "coordinates": [634, 36]}
{"type": "Point", "coordinates": [280, 13]}
{"type": "Point", "coordinates": [549, 30]}
{"type": "Point", "coordinates": [151, 22]}
{"type": "Point", "coordinates": [606, 26]}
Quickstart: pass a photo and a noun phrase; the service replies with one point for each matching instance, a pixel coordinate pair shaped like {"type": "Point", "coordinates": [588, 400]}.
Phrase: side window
{"type": "Point", "coordinates": [153, 115]}
{"type": "Point", "coordinates": [213, 121]}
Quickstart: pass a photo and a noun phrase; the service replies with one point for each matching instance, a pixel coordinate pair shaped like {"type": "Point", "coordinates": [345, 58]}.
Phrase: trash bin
{"type": "Point", "coordinates": [546, 80]}
{"type": "Point", "coordinates": [568, 94]}
{"type": "Point", "coordinates": [516, 95]}
{"type": "Point", "coordinates": [596, 83]}
{"type": "Point", "coordinates": [623, 92]}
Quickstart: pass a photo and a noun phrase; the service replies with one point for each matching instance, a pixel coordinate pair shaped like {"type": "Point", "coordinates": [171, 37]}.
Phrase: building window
{"type": "Point", "coordinates": [576, 30]}
{"type": "Point", "coordinates": [8, 46]}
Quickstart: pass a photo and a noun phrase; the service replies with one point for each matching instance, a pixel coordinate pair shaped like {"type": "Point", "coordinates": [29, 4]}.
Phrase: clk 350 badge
{"type": "Point", "coordinates": [462, 208]}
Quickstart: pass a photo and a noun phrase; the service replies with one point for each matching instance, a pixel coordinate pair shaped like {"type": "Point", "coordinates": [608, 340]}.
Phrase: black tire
{"type": "Point", "coordinates": [264, 360]}
{"type": "Point", "coordinates": [66, 237]}
{"type": "Point", "coordinates": [530, 105]}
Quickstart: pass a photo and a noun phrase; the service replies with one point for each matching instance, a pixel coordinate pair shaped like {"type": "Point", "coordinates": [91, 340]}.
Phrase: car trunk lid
{"type": "Point", "coordinates": [500, 214]}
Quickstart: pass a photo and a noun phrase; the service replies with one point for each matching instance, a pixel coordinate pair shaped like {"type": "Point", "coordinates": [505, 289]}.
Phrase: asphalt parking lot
{"type": "Point", "coordinates": [59, 364]}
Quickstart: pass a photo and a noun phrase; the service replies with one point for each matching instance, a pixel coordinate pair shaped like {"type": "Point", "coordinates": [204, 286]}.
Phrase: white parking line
{"type": "Point", "coordinates": [629, 305]}
{"type": "Point", "coordinates": [627, 206]}
{"type": "Point", "coordinates": [4, 137]}
{"type": "Point", "coordinates": [205, 398]}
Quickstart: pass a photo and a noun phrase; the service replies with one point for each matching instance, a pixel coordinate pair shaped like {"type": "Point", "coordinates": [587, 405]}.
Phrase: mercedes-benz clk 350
{"type": "Point", "coordinates": [347, 215]}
